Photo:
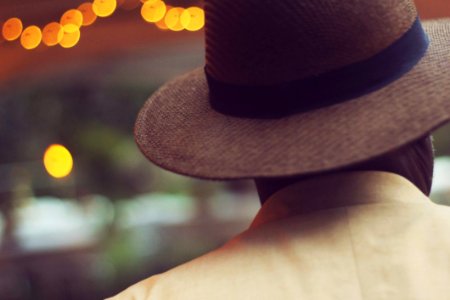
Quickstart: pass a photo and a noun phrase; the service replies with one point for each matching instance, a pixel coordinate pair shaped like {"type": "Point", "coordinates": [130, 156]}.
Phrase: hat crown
{"type": "Point", "coordinates": [264, 42]}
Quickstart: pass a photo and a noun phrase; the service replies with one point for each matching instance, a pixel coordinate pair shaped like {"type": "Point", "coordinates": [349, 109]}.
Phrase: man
{"type": "Point", "coordinates": [328, 104]}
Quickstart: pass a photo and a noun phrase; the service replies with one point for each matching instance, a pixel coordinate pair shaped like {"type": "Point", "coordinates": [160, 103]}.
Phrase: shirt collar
{"type": "Point", "coordinates": [338, 190]}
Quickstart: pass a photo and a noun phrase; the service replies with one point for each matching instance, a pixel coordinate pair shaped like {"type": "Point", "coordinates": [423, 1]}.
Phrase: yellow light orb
{"type": "Point", "coordinates": [31, 37]}
{"type": "Point", "coordinates": [52, 34]}
{"type": "Point", "coordinates": [161, 24]}
{"type": "Point", "coordinates": [104, 8]}
{"type": "Point", "coordinates": [12, 29]}
{"type": "Point", "coordinates": [58, 161]}
{"type": "Point", "coordinates": [172, 19]}
{"type": "Point", "coordinates": [89, 16]}
{"type": "Point", "coordinates": [193, 18]}
{"type": "Point", "coordinates": [70, 39]}
{"type": "Point", "coordinates": [153, 11]}
{"type": "Point", "coordinates": [72, 20]}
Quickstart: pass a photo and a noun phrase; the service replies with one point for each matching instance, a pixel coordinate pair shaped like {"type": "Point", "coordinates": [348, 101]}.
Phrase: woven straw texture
{"type": "Point", "coordinates": [266, 41]}
{"type": "Point", "coordinates": [178, 130]}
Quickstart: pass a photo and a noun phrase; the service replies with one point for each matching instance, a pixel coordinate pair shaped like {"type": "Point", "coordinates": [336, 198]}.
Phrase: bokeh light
{"type": "Point", "coordinates": [172, 19]}
{"type": "Point", "coordinates": [70, 39]}
{"type": "Point", "coordinates": [104, 8]}
{"type": "Point", "coordinates": [89, 16]}
{"type": "Point", "coordinates": [193, 18]}
{"type": "Point", "coordinates": [72, 20]}
{"type": "Point", "coordinates": [52, 34]}
{"type": "Point", "coordinates": [31, 37]}
{"type": "Point", "coordinates": [12, 29]}
{"type": "Point", "coordinates": [58, 161]}
{"type": "Point", "coordinates": [161, 24]}
{"type": "Point", "coordinates": [153, 11]}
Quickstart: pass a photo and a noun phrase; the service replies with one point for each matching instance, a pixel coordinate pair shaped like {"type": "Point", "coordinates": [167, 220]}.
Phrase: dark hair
{"type": "Point", "coordinates": [414, 161]}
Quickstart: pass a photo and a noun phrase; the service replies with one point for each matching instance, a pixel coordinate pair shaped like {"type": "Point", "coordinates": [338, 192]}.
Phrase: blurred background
{"type": "Point", "coordinates": [82, 214]}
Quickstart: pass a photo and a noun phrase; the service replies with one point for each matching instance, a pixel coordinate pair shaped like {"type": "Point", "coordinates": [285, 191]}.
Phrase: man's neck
{"type": "Point", "coordinates": [266, 187]}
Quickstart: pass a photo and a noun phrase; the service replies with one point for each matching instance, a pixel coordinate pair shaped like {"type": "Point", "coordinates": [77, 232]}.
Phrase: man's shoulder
{"type": "Point", "coordinates": [176, 280]}
{"type": "Point", "coordinates": [320, 242]}
{"type": "Point", "coordinates": [139, 291]}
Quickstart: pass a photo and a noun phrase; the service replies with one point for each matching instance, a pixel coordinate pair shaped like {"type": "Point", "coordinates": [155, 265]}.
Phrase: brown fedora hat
{"type": "Point", "coordinates": [300, 86]}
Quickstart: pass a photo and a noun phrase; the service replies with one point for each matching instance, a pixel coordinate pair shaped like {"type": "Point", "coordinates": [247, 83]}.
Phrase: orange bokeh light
{"type": "Point", "coordinates": [193, 18]}
{"type": "Point", "coordinates": [161, 24]}
{"type": "Point", "coordinates": [104, 8]}
{"type": "Point", "coordinates": [58, 161]}
{"type": "Point", "coordinates": [70, 39]}
{"type": "Point", "coordinates": [89, 16]}
{"type": "Point", "coordinates": [52, 34]}
{"type": "Point", "coordinates": [153, 11]}
{"type": "Point", "coordinates": [12, 29]}
{"type": "Point", "coordinates": [31, 37]}
{"type": "Point", "coordinates": [172, 19]}
{"type": "Point", "coordinates": [67, 31]}
{"type": "Point", "coordinates": [72, 20]}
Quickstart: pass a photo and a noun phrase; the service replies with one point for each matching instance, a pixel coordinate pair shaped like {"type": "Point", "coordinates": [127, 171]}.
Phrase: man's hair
{"type": "Point", "coordinates": [414, 161]}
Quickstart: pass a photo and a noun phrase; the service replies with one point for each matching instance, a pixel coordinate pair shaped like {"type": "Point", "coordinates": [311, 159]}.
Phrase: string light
{"type": "Point", "coordinates": [58, 161]}
{"type": "Point", "coordinates": [67, 33]}
{"type": "Point", "coordinates": [12, 29]}
{"type": "Point", "coordinates": [31, 37]}
{"type": "Point", "coordinates": [88, 13]}
{"type": "Point", "coordinates": [71, 20]}
{"type": "Point", "coordinates": [193, 18]}
{"type": "Point", "coordinates": [52, 34]}
{"type": "Point", "coordinates": [153, 11]}
{"type": "Point", "coordinates": [104, 8]}
{"type": "Point", "coordinates": [161, 24]}
{"type": "Point", "coordinates": [172, 19]}
{"type": "Point", "coordinates": [70, 39]}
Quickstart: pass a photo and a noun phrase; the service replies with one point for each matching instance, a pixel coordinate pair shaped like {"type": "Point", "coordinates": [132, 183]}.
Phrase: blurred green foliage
{"type": "Point", "coordinates": [95, 124]}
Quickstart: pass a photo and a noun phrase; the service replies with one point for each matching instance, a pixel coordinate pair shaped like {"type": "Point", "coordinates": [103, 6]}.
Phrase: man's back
{"type": "Point", "coordinates": [380, 239]}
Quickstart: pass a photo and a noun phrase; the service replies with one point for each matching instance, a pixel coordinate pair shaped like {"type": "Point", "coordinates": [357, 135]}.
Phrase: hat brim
{"type": "Point", "coordinates": [179, 131]}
